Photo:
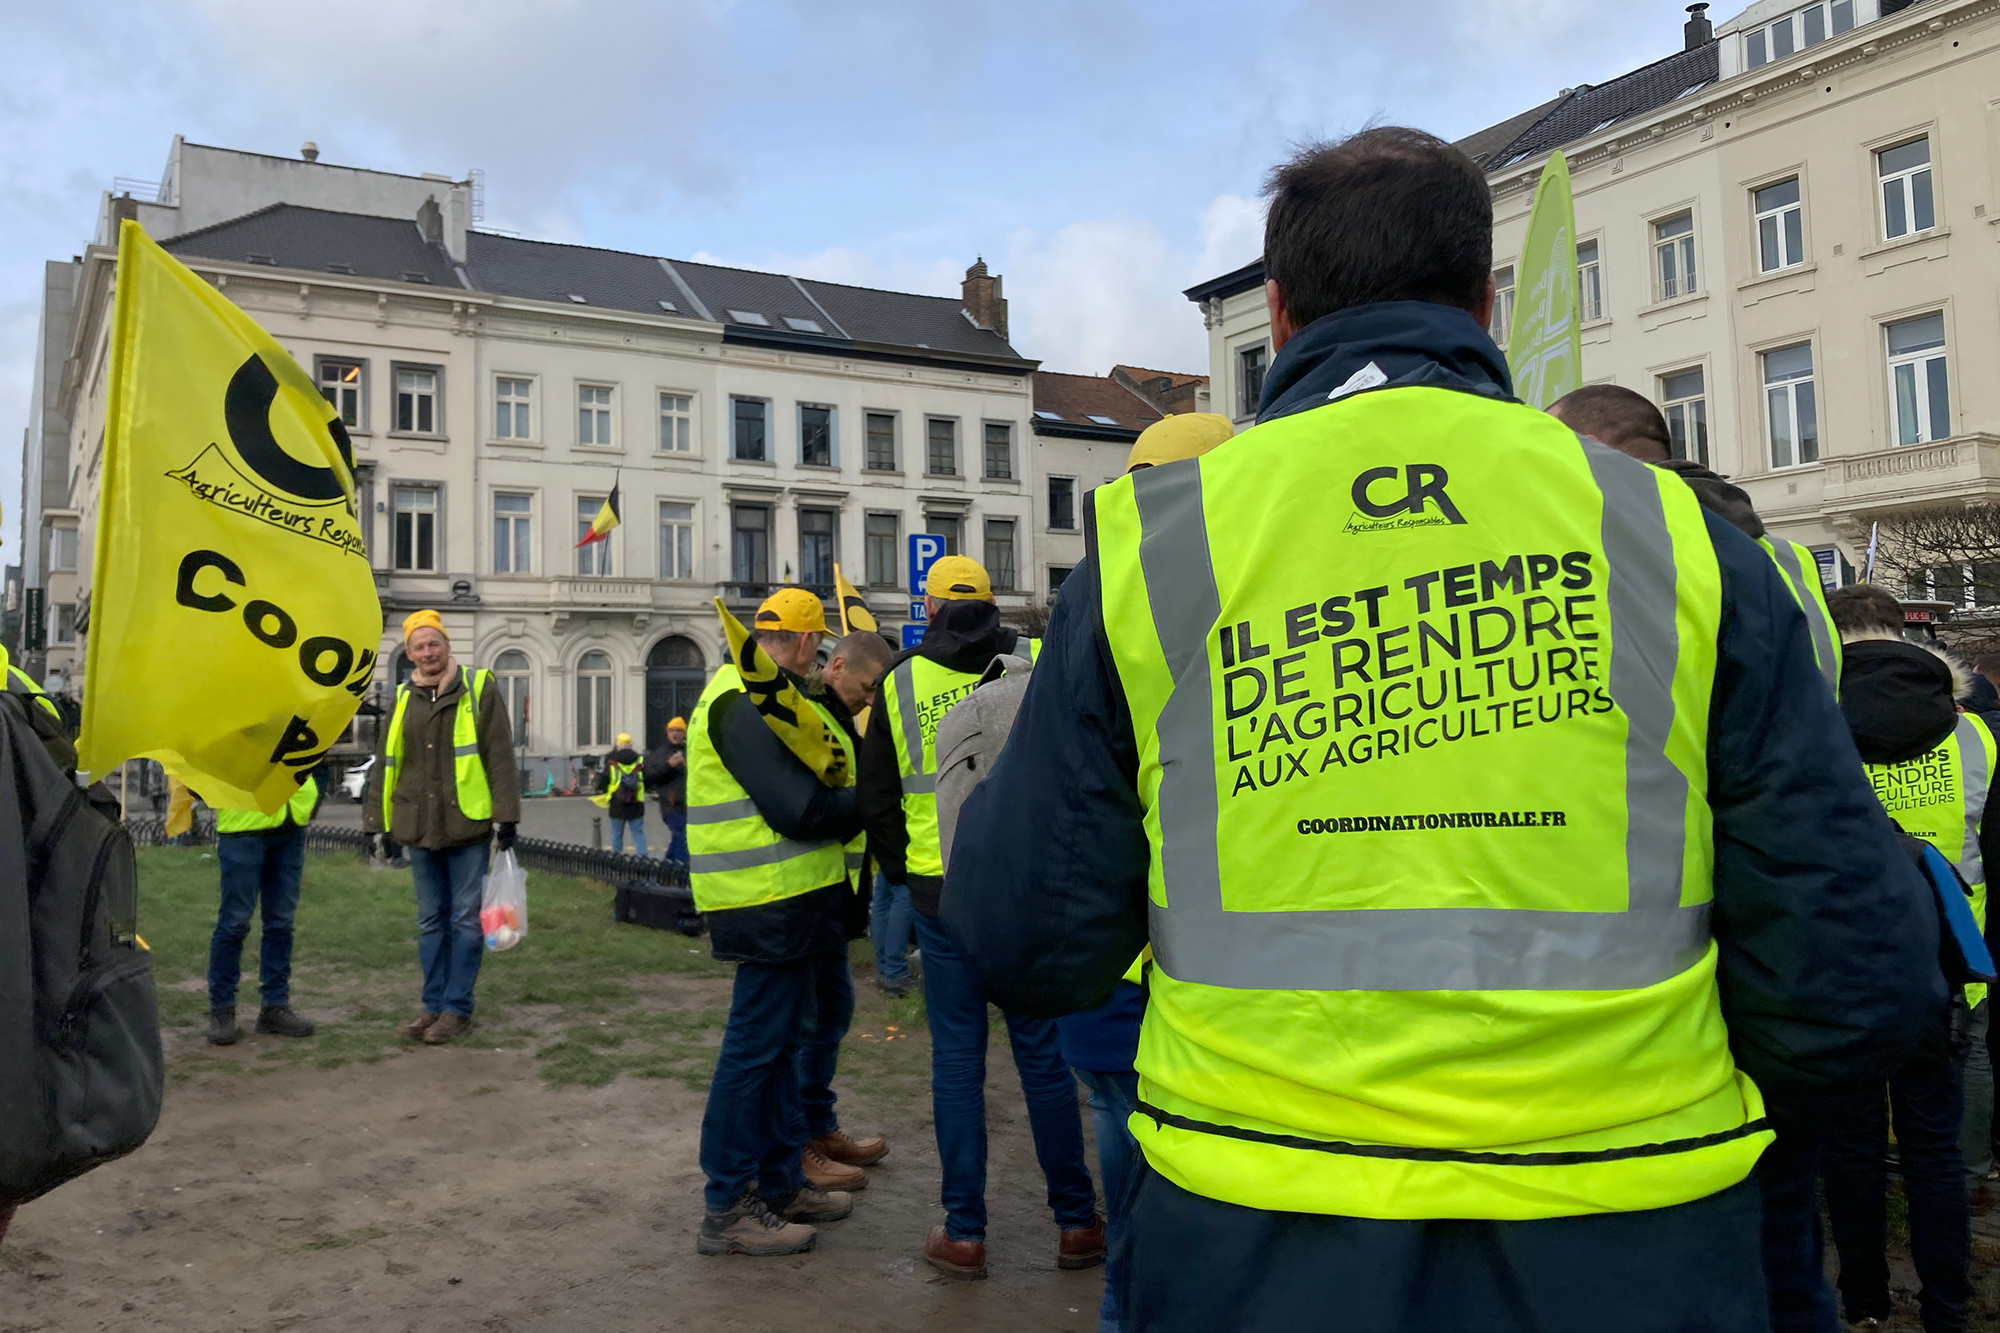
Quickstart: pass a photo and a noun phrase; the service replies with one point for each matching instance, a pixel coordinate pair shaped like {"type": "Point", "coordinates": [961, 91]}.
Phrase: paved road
{"type": "Point", "coordinates": [554, 818]}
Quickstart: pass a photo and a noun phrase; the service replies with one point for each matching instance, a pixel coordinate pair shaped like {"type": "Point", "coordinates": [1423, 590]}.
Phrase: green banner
{"type": "Point", "coordinates": [1544, 341]}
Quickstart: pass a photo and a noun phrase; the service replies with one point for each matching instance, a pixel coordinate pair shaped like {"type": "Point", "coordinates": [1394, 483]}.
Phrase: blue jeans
{"type": "Point", "coordinates": [1794, 1247]}
{"type": "Point", "coordinates": [830, 1011]}
{"type": "Point", "coordinates": [889, 921]}
{"type": "Point", "coordinates": [638, 827]}
{"type": "Point", "coordinates": [1925, 1095]}
{"type": "Point", "coordinates": [258, 873]}
{"type": "Point", "coordinates": [957, 1011]}
{"type": "Point", "coordinates": [450, 884]}
{"type": "Point", "coordinates": [1114, 1097]}
{"type": "Point", "coordinates": [1975, 1134]}
{"type": "Point", "coordinates": [752, 1129]}
{"type": "Point", "coordinates": [677, 833]}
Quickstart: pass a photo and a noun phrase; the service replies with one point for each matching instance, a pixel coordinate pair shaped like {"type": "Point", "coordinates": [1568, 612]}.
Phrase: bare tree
{"type": "Point", "coordinates": [1951, 554]}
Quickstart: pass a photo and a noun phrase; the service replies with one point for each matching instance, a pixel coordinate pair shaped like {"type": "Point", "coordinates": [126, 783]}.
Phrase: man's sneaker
{"type": "Point", "coordinates": [822, 1172]}
{"type": "Point", "coordinates": [279, 1021]}
{"type": "Point", "coordinates": [838, 1147]}
{"type": "Point", "coordinates": [222, 1027]}
{"type": "Point", "coordinates": [894, 990]}
{"type": "Point", "coordinates": [812, 1204]}
{"type": "Point", "coordinates": [961, 1259]}
{"type": "Point", "coordinates": [414, 1029]}
{"type": "Point", "coordinates": [1081, 1247]}
{"type": "Point", "coordinates": [447, 1027]}
{"type": "Point", "coordinates": [753, 1229]}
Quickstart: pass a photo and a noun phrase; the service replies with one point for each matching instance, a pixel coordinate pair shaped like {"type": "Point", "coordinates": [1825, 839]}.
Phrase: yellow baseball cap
{"type": "Point", "coordinates": [624, 738]}
{"type": "Point", "coordinates": [958, 578]}
{"type": "Point", "coordinates": [423, 619]}
{"type": "Point", "coordinates": [792, 609]}
{"type": "Point", "coordinates": [1182, 435]}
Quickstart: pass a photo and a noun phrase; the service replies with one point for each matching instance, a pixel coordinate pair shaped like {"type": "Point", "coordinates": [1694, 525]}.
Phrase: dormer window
{"type": "Point", "coordinates": [1796, 31]}
{"type": "Point", "coordinates": [749, 317]}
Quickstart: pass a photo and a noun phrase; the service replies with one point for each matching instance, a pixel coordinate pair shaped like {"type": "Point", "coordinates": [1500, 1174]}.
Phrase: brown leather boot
{"type": "Point", "coordinates": [961, 1259]}
{"type": "Point", "coordinates": [1081, 1247]}
{"type": "Point", "coordinates": [822, 1172]}
{"type": "Point", "coordinates": [838, 1147]}
{"type": "Point", "coordinates": [414, 1029]}
{"type": "Point", "coordinates": [446, 1027]}
{"type": "Point", "coordinates": [752, 1228]}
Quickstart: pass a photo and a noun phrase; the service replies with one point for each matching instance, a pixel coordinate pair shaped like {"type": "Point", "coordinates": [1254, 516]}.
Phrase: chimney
{"type": "Point", "coordinates": [430, 220]}
{"type": "Point", "coordinates": [982, 298]}
{"type": "Point", "coordinates": [309, 151]}
{"type": "Point", "coordinates": [1700, 32]}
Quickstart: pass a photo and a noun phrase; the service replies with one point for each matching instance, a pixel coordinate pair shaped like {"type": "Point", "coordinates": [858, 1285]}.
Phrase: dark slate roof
{"type": "Point", "coordinates": [1588, 109]}
{"type": "Point", "coordinates": [772, 295]}
{"type": "Point", "coordinates": [936, 322]}
{"type": "Point", "coordinates": [319, 240]}
{"type": "Point", "coordinates": [1239, 280]}
{"type": "Point", "coordinates": [1483, 145]}
{"type": "Point", "coordinates": [610, 279]}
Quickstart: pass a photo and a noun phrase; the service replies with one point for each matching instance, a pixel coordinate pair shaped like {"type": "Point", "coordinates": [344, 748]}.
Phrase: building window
{"type": "Point", "coordinates": [1796, 31]}
{"type": "Point", "coordinates": [818, 546]}
{"type": "Point", "coordinates": [594, 560]}
{"type": "Point", "coordinates": [676, 540]}
{"type": "Point", "coordinates": [1907, 207]}
{"type": "Point", "coordinates": [341, 382]}
{"type": "Point", "coordinates": [942, 458]}
{"type": "Point", "coordinates": [593, 699]}
{"type": "Point", "coordinates": [1062, 503]}
{"type": "Point", "coordinates": [1673, 255]}
{"type": "Point", "coordinates": [511, 400]}
{"type": "Point", "coordinates": [815, 435]}
{"type": "Point", "coordinates": [884, 532]}
{"type": "Point", "coordinates": [513, 533]}
{"type": "Point", "coordinates": [593, 415]}
{"type": "Point", "coordinates": [999, 451]}
{"type": "Point", "coordinates": [511, 672]}
{"type": "Point", "coordinates": [1057, 573]}
{"type": "Point", "coordinates": [1780, 227]}
{"type": "Point", "coordinates": [415, 523]}
{"type": "Point", "coordinates": [750, 419]}
{"type": "Point", "coordinates": [1250, 362]}
{"type": "Point", "coordinates": [676, 417]}
{"type": "Point", "coordinates": [62, 549]}
{"type": "Point", "coordinates": [1791, 414]}
{"type": "Point", "coordinates": [1503, 305]}
{"type": "Point", "coordinates": [1590, 281]}
{"type": "Point", "coordinates": [881, 447]}
{"type": "Point", "coordinates": [416, 401]}
{"type": "Point", "coordinates": [948, 526]}
{"type": "Point", "coordinates": [1919, 397]}
{"type": "Point", "coordinates": [1684, 399]}
{"type": "Point", "coordinates": [1000, 553]}
{"type": "Point", "coordinates": [66, 622]}
{"type": "Point", "coordinates": [750, 548]}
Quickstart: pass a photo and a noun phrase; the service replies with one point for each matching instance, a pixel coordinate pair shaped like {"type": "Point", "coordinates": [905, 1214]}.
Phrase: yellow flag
{"type": "Point", "coordinates": [796, 723]}
{"type": "Point", "coordinates": [233, 615]}
{"type": "Point", "coordinates": [180, 809]}
{"type": "Point", "coordinates": [1544, 340]}
{"type": "Point", "coordinates": [854, 613]}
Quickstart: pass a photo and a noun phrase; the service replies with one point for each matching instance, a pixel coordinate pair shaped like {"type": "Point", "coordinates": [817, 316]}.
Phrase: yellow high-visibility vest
{"type": "Point", "coordinates": [16, 681]}
{"type": "Point", "coordinates": [735, 858]}
{"type": "Point", "coordinates": [1421, 684]}
{"type": "Point", "coordinates": [298, 811]}
{"type": "Point", "coordinates": [1940, 797]}
{"type": "Point", "coordinates": [1800, 572]}
{"type": "Point", "coordinates": [474, 795]}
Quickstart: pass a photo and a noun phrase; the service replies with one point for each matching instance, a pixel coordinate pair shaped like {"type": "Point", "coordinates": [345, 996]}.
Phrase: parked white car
{"type": "Point", "coordinates": [356, 778]}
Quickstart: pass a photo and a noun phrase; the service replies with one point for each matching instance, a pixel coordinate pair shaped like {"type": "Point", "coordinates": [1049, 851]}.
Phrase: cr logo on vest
{"type": "Point", "coordinates": [1423, 487]}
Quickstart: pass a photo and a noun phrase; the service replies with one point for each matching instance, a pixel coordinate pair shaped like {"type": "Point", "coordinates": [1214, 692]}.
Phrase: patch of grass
{"type": "Point", "coordinates": [679, 1045]}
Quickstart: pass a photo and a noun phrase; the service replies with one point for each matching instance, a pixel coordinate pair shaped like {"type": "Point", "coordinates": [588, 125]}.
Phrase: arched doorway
{"type": "Point", "coordinates": [675, 674]}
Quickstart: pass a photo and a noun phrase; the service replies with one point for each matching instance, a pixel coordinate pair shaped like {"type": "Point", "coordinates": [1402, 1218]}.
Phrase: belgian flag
{"type": "Point", "coordinates": [607, 519]}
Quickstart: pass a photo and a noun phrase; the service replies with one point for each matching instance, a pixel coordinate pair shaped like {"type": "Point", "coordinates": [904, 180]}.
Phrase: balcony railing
{"type": "Point", "coordinates": [616, 593]}
{"type": "Point", "coordinates": [1964, 468]}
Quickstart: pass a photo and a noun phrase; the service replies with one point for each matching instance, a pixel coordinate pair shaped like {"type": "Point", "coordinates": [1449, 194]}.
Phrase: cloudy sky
{"type": "Point", "coordinates": [1101, 154]}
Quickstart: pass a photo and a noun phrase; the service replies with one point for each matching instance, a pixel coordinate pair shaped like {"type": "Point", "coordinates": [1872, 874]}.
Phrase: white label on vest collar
{"type": "Point", "coordinates": [1367, 377]}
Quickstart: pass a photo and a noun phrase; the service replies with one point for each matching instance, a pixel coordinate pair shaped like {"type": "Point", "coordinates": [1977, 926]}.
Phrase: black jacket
{"type": "Point", "coordinates": [1825, 931]}
{"type": "Point", "coordinates": [798, 805]}
{"type": "Point", "coordinates": [966, 636]}
{"type": "Point", "coordinates": [621, 809]}
{"type": "Point", "coordinates": [664, 781]}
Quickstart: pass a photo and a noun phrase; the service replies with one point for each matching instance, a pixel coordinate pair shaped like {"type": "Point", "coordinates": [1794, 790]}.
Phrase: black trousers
{"type": "Point", "coordinates": [1199, 1266]}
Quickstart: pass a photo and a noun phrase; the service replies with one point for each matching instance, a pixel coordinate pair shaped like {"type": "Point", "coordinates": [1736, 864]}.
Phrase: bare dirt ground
{"type": "Point", "coordinates": [449, 1188]}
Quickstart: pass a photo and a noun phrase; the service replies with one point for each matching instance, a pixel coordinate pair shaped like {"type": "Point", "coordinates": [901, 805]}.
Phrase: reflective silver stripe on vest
{"type": "Point", "coordinates": [913, 731]}
{"type": "Point", "coordinates": [462, 751]}
{"type": "Point", "coordinates": [1787, 556]}
{"type": "Point", "coordinates": [1415, 949]}
{"type": "Point", "coordinates": [919, 784]}
{"type": "Point", "coordinates": [715, 863]}
{"type": "Point", "coordinates": [721, 812]}
{"type": "Point", "coordinates": [1972, 766]}
{"type": "Point", "coordinates": [854, 860]}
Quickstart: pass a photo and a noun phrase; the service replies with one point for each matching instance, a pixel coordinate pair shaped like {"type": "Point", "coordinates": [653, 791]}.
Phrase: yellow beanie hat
{"type": "Point", "coordinates": [1183, 435]}
{"type": "Point", "coordinates": [417, 620]}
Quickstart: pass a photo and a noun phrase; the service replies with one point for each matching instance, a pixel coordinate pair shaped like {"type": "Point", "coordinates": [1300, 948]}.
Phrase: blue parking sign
{"type": "Point", "coordinates": [913, 635]}
{"type": "Point", "coordinates": [925, 550]}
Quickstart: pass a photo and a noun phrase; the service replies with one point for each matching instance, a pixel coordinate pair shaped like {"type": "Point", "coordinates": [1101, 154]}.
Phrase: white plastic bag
{"type": "Point", "coordinates": [503, 910]}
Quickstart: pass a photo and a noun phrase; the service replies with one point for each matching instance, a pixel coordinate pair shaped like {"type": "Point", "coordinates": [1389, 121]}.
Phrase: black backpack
{"type": "Point", "coordinates": [628, 784]}
{"type": "Point", "coordinates": [79, 1023]}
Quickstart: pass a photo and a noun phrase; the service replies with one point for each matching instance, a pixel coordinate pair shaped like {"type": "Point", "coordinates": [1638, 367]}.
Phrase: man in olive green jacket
{"type": "Point", "coordinates": [442, 815]}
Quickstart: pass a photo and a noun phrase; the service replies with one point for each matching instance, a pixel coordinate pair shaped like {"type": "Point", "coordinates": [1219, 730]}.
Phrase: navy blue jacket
{"type": "Point", "coordinates": [1827, 936]}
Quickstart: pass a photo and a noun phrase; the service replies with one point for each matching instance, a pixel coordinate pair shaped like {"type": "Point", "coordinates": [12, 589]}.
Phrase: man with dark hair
{"type": "Point", "coordinates": [1614, 415]}
{"type": "Point", "coordinates": [1458, 1018]}
{"type": "Point", "coordinates": [1862, 609]}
